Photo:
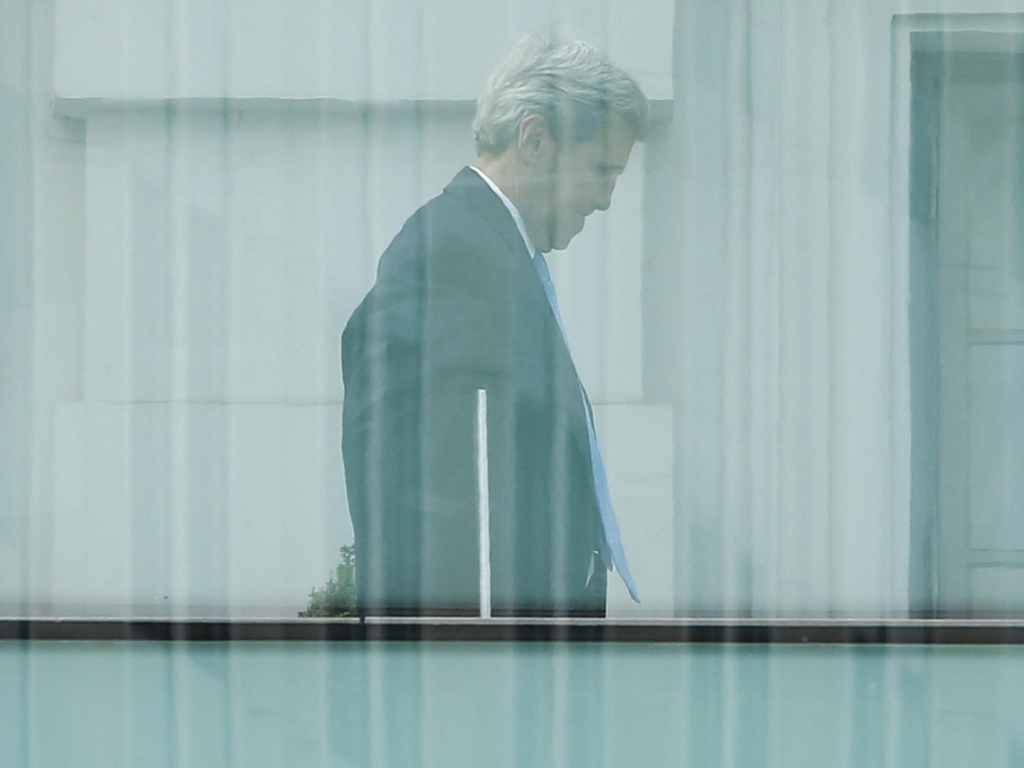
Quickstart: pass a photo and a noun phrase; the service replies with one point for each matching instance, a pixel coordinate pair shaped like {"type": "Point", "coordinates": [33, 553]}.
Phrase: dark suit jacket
{"type": "Point", "coordinates": [458, 306]}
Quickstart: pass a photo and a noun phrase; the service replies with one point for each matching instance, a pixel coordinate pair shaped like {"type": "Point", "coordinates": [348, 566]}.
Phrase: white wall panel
{"type": "Point", "coordinates": [997, 589]}
{"type": "Point", "coordinates": [350, 50]}
{"type": "Point", "coordinates": [995, 448]}
{"type": "Point", "coordinates": [216, 240]}
{"type": "Point", "coordinates": [202, 509]}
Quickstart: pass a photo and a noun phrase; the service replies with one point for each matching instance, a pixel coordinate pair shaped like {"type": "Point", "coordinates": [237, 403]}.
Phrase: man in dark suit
{"type": "Point", "coordinates": [474, 478]}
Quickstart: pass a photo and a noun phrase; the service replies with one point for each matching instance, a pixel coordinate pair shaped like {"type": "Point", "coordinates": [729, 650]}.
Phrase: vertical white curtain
{"type": "Point", "coordinates": [784, 311]}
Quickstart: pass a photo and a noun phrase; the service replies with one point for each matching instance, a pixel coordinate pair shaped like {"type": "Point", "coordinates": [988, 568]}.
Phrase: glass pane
{"type": "Point", "coordinates": [509, 704]}
{"type": "Point", "coordinates": [765, 365]}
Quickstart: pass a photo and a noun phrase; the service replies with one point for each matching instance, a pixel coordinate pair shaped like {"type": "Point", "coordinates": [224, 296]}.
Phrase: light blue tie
{"type": "Point", "coordinates": [611, 542]}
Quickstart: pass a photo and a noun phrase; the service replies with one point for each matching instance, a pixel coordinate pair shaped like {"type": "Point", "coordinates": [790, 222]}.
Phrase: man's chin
{"type": "Point", "coordinates": [562, 242]}
{"type": "Point", "coordinates": [560, 238]}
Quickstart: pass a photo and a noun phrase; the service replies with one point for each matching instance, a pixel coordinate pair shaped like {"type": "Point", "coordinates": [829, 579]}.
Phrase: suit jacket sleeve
{"type": "Point", "coordinates": [438, 326]}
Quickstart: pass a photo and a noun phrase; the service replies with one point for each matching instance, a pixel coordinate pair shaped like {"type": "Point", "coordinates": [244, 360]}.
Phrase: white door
{"type": "Point", "coordinates": [981, 337]}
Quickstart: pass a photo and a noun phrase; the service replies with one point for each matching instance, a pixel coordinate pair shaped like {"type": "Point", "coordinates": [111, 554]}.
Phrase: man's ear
{"type": "Point", "coordinates": [534, 136]}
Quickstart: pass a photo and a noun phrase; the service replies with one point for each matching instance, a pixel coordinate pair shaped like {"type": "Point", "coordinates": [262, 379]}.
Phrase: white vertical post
{"type": "Point", "coordinates": [483, 503]}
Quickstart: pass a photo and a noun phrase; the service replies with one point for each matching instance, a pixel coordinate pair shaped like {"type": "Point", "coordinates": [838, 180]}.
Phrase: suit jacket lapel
{"type": "Point", "coordinates": [474, 192]}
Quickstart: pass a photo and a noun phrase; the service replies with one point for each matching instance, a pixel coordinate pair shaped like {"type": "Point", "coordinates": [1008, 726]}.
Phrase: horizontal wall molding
{"type": "Point", "coordinates": [85, 107]}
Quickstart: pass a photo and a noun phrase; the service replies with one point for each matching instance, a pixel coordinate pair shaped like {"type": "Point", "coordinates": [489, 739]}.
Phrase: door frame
{"type": "Point", "coordinates": [923, 45]}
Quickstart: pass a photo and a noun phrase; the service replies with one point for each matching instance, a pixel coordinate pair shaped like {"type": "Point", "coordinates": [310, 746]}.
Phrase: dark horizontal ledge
{"type": "Point", "coordinates": [108, 105]}
{"type": "Point", "coordinates": [682, 631]}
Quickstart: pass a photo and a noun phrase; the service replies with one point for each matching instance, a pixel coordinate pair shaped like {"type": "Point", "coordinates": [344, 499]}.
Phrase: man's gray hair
{"type": "Point", "coordinates": [571, 83]}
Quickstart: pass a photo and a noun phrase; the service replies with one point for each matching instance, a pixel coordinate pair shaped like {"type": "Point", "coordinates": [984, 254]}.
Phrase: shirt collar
{"type": "Point", "coordinates": [520, 225]}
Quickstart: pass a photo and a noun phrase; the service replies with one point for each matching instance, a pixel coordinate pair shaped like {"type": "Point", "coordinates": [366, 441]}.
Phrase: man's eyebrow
{"type": "Point", "coordinates": [610, 168]}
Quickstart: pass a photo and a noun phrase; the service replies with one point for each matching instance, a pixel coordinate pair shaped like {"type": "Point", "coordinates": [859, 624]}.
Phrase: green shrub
{"type": "Point", "coordinates": [338, 596]}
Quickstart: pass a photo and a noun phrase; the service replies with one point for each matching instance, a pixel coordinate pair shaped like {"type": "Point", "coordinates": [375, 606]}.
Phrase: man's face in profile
{"type": "Point", "coordinates": [574, 181]}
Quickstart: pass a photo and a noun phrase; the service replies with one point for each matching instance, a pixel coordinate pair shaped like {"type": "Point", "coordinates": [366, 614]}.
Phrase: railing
{"type": "Point", "coordinates": [940, 631]}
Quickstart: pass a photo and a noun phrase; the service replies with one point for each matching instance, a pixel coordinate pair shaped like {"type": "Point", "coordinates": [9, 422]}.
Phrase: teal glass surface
{"type": "Point", "coordinates": [495, 704]}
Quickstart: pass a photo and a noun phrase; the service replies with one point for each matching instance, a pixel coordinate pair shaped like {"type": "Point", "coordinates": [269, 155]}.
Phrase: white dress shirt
{"type": "Point", "coordinates": [516, 216]}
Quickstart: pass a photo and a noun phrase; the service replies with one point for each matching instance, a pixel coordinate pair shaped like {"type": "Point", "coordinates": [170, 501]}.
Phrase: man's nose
{"type": "Point", "coordinates": [603, 198]}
